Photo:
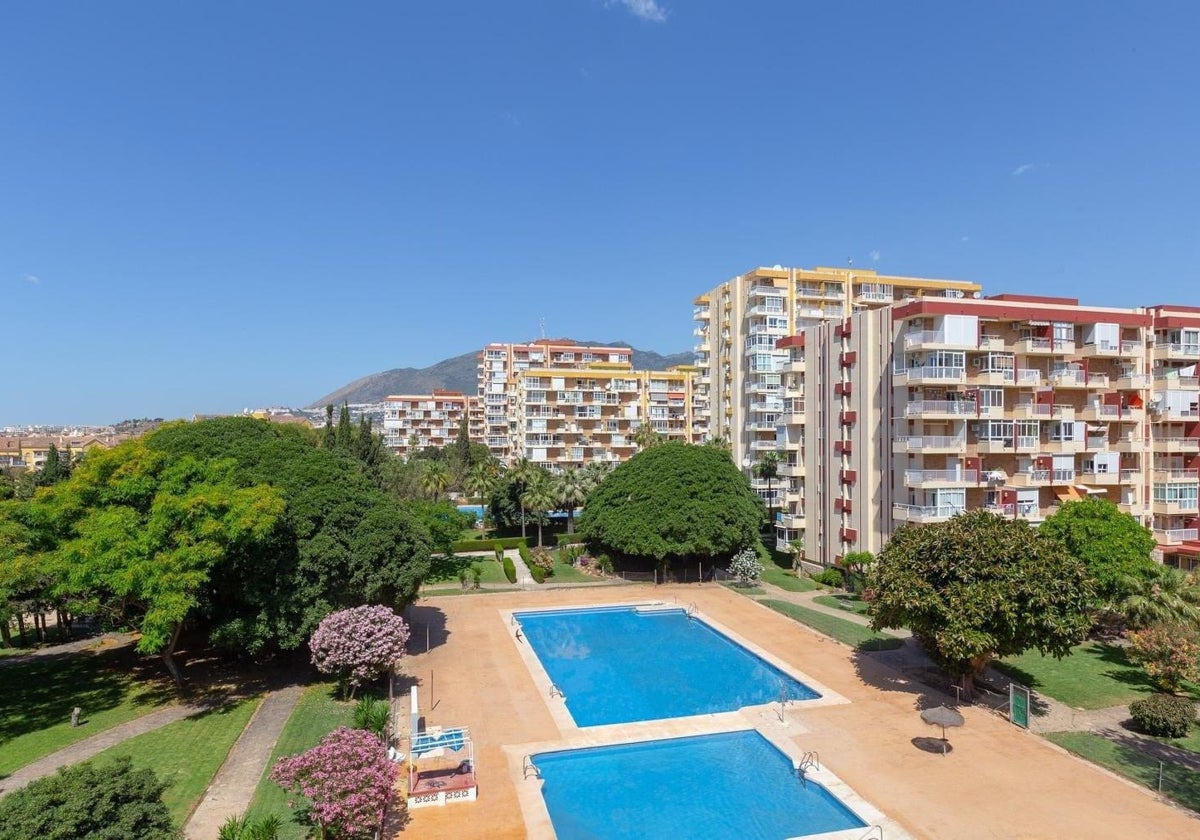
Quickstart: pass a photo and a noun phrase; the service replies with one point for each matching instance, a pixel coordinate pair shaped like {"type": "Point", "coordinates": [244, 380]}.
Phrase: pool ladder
{"type": "Point", "coordinates": [527, 767]}
{"type": "Point", "coordinates": [691, 610]}
{"type": "Point", "coordinates": [875, 832]}
{"type": "Point", "coordinates": [808, 761]}
{"type": "Point", "coordinates": [555, 691]}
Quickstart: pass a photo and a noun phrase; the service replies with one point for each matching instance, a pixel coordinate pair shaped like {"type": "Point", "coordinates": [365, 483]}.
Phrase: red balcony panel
{"type": "Point", "coordinates": [849, 535]}
{"type": "Point", "coordinates": [849, 358]}
{"type": "Point", "coordinates": [843, 505]}
{"type": "Point", "coordinates": [848, 476]}
{"type": "Point", "coordinates": [849, 418]}
{"type": "Point", "coordinates": [843, 389]}
{"type": "Point", "coordinates": [843, 447]}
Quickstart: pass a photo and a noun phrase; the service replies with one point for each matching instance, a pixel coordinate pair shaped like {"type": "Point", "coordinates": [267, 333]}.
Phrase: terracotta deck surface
{"type": "Point", "coordinates": [997, 782]}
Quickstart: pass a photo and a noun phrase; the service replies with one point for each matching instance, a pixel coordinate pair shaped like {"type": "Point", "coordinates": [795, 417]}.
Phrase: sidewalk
{"type": "Point", "coordinates": [230, 791]}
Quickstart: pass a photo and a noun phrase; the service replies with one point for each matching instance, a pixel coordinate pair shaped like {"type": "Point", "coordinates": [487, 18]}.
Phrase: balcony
{"type": "Point", "coordinates": [1030, 478]}
{"type": "Point", "coordinates": [1178, 414]}
{"type": "Point", "coordinates": [1178, 476]}
{"type": "Point", "coordinates": [941, 408]}
{"type": "Point", "coordinates": [994, 376]}
{"type": "Point", "coordinates": [788, 470]}
{"type": "Point", "coordinates": [1067, 446]}
{"type": "Point", "coordinates": [1130, 443]}
{"type": "Point", "coordinates": [1179, 507]}
{"type": "Point", "coordinates": [1044, 346]}
{"type": "Point", "coordinates": [767, 292]}
{"type": "Point", "coordinates": [1068, 379]}
{"type": "Point", "coordinates": [1112, 349]}
{"type": "Point", "coordinates": [700, 332]}
{"type": "Point", "coordinates": [932, 374]}
{"type": "Point", "coordinates": [939, 478]}
{"type": "Point", "coordinates": [774, 407]}
{"type": "Point", "coordinates": [1176, 383]}
{"type": "Point", "coordinates": [1175, 536]}
{"type": "Point", "coordinates": [1111, 413]}
{"type": "Point", "coordinates": [1132, 381]}
{"type": "Point", "coordinates": [759, 445]}
{"type": "Point", "coordinates": [1176, 444]}
{"type": "Point", "coordinates": [933, 340]}
{"type": "Point", "coordinates": [1029, 376]}
{"type": "Point", "coordinates": [700, 313]}
{"type": "Point", "coordinates": [923, 514]}
{"type": "Point", "coordinates": [929, 443]}
{"type": "Point", "coordinates": [790, 520]}
{"type": "Point", "coordinates": [1184, 352]}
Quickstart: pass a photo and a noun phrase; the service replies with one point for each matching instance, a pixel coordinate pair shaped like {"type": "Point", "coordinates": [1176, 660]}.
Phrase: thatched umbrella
{"type": "Point", "coordinates": [943, 717]}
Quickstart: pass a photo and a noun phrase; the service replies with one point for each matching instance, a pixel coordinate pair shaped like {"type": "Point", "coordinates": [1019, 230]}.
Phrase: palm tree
{"type": "Point", "coordinates": [645, 437]}
{"type": "Point", "coordinates": [593, 474]}
{"type": "Point", "coordinates": [538, 498]}
{"type": "Point", "coordinates": [435, 478]}
{"type": "Point", "coordinates": [767, 468]}
{"type": "Point", "coordinates": [570, 491]}
{"type": "Point", "coordinates": [522, 473]}
{"type": "Point", "coordinates": [1164, 596]}
{"type": "Point", "coordinates": [480, 480]}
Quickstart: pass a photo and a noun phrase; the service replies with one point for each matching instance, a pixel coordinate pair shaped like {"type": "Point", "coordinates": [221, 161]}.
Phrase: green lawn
{"type": "Point", "coordinates": [111, 687]}
{"type": "Point", "coordinates": [1094, 676]}
{"type": "Point", "coordinates": [445, 569]}
{"type": "Point", "coordinates": [316, 715]}
{"type": "Point", "coordinates": [566, 573]}
{"type": "Point", "coordinates": [745, 590]}
{"type": "Point", "coordinates": [850, 603]}
{"type": "Point", "coordinates": [187, 754]}
{"type": "Point", "coordinates": [1179, 783]}
{"type": "Point", "coordinates": [844, 631]}
{"type": "Point", "coordinates": [787, 579]}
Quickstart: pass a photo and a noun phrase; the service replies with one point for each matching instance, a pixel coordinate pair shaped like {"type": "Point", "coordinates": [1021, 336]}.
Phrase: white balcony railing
{"type": "Point", "coordinates": [932, 441]}
{"type": "Point", "coordinates": [943, 476]}
{"type": "Point", "coordinates": [959, 408]}
{"type": "Point", "coordinates": [926, 513]}
{"type": "Point", "coordinates": [1172, 536]}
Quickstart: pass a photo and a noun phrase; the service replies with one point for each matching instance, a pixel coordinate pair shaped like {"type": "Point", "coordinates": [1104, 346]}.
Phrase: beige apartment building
{"type": "Point", "coordinates": [742, 375]}
{"type": "Point", "coordinates": [499, 369]}
{"type": "Point", "coordinates": [413, 422]}
{"type": "Point", "coordinates": [1013, 404]}
{"type": "Point", "coordinates": [569, 418]}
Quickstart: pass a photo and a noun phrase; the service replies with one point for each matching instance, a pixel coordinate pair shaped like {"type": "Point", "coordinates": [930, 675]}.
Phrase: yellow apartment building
{"type": "Point", "coordinates": [412, 422]}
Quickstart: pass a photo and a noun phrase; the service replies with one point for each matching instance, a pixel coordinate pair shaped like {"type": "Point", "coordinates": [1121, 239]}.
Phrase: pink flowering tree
{"type": "Point", "coordinates": [358, 644]}
{"type": "Point", "coordinates": [347, 780]}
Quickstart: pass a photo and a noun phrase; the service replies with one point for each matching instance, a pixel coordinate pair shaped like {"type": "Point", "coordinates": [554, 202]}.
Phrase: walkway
{"type": "Point", "coordinates": [106, 640]}
{"type": "Point", "coordinates": [89, 747]}
{"type": "Point", "coordinates": [231, 790]}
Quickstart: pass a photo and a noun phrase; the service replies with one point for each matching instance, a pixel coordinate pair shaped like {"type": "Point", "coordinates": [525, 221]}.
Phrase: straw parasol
{"type": "Point", "coordinates": [943, 717]}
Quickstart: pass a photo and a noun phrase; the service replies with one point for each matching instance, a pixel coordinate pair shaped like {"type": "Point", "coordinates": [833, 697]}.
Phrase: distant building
{"type": "Point", "coordinates": [413, 422]}
{"type": "Point", "coordinates": [22, 452]}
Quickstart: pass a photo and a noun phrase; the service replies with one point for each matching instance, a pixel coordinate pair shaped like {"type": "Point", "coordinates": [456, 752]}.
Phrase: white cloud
{"type": "Point", "coordinates": [874, 254]}
{"type": "Point", "coordinates": [645, 9]}
{"type": "Point", "coordinates": [964, 239]}
{"type": "Point", "coordinates": [1024, 168]}
{"type": "Point", "coordinates": [31, 279]}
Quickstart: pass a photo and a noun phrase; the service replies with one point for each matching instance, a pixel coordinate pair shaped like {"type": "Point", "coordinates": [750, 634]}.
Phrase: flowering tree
{"type": "Point", "coordinates": [1170, 656]}
{"type": "Point", "coordinates": [358, 644]}
{"type": "Point", "coordinates": [347, 779]}
{"type": "Point", "coordinates": [746, 567]}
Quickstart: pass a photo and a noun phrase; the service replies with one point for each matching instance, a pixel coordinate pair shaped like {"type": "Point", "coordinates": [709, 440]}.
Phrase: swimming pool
{"type": "Point", "coordinates": [732, 784]}
{"type": "Point", "coordinates": [476, 510]}
{"type": "Point", "coordinates": [624, 664]}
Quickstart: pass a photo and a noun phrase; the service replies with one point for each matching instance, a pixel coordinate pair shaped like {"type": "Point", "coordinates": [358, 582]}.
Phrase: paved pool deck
{"type": "Point", "coordinates": [997, 782]}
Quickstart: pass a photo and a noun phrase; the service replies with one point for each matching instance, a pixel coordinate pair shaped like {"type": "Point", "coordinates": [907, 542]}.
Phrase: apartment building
{"type": "Point", "coordinates": [499, 369]}
{"type": "Point", "coordinates": [413, 422]}
{"type": "Point", "coordinates": [1013, 404]}
{"type": "Point", "coordinates": [740, 370]}
{"type": "Point", "coordinates": [571, 417]}
{"type": "Point", "coordinates": [31, 452]}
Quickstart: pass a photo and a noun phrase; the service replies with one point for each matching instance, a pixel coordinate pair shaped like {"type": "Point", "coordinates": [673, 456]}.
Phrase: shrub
{"type": "Point", "coordinates": [1164, 715]}
{"type": "Point", "coordinates": [347, 779]}
{"type": "Point", "coordinates": [371, 714]}
{"type": "Point", "coordinates": [358, 644]}
{"type": "Point", "coordinates": [502, 543]}
{"type": "Point", "coordinates": [571, 553]}
{"type": "Point", "coordinates": [543, 558]}
{"type": "Point", "coordinates": [829, 577]}
{"type": "Point", "coordinates": [1169, 656]}
{"type": "Point", "coordinates": [510, 570]}
{"type": "Point", "coordinates": [537, 573]}
{"type": "Point", "coordinates": [476, 574]}
{"type": "Point", "coordinates": [241, 827]}
{"type": "Point", "coordinates": [109, 800]}
{"type": "Point", "coordinates": [569, 539]}
{"type": "Point", "coordinates": [746, 567]}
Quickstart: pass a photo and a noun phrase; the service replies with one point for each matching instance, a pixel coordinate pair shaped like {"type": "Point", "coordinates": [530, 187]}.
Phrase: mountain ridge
{"type": "Point", "coordinates": [458, 373]}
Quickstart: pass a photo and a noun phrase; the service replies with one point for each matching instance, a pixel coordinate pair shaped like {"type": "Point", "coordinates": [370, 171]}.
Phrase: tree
{"type": "Point", "coordinates": [746, 567]}
{"type": "Point", "coordinates": [672, 502]}
{"type": "Point", "coordinates": [538, 499]}
{"type": "Point", "coordinates": [1170, 656]}
{"type": "Point", "coordinates": [480, 480]}
{"type": "Point", "coordinates": [344, 435]}
{"type": "Point", "coordinates": [347, 779]}
{"type": "Point", "coordinates": [329, 439]}
{"type": "Point", "coordinates": [359, 644]}
{"type": "Point", "coordinates": [435, 479]}
{"type": "Point", "coordinates": [594, 473]}
{"type": "Point", "coordinates": [767, 469]}
{"type": "Point", "coordinates": [462, 443]}
{"type": "Point", "coordinates": [522, 472]}
{"type": "Point", "coordinates": [55, 469]}
{"type": "Point", "coordinates": [1164, 596]}
{"type": "Point", "coordinates": [980, 587]}
{"type": "Point", "coordinates": [570, 491]}
{"type": "Point", "coordinates": [854, 566]}
{"type": "Point", "coordinates": [1114, 546]}
{"type": "Point", "coordinates": [645, 437]}
{"type": "Point", "coordinates": [93, 800]}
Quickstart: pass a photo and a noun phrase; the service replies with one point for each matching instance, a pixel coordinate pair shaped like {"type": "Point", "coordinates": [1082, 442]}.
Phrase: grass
{"type": "Point", "coordinates": [315, 716]}
{"type": "Point", "coordinates": [1094, 676]}
{"type": "Point", "coordinates": [445, 569]}
{"type": "Point", "coordinates": [1179, 783]}
{"type": "Point", "coordinates": [787, 579]}
{"type": "Point", "coordinates": [745, 590]}
{"type": "Point", "coordinates": [566, 573]}
{"type": "Point", "coordinates": [110, 686]}
{"type": "Point", "coordinates": [846, 632]}
{"type": "Point", "coordinates": [850, 603]}
{"type": "Point", "coordinates": [187, 754]}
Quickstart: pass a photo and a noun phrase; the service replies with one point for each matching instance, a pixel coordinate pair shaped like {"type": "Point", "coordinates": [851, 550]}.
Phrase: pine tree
{"type": "Point", "coordinates": [344, 433]}
{"type": "Point", "coordinates": [329, 438]}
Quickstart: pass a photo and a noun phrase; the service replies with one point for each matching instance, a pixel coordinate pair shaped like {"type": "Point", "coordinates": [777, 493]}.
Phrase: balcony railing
{"type": "Point", "coordinates": [915, 442]}
{"type": "Point", "coordinates": [926, 513]}
{"type": "Point", "coordinates": [942, 476]}
{"type": "Point", "coordinates": [1173, 536]}
{"type": "Point", "coordinates": [1176, 474]}
{"type": "Point", "coordinates": [1068, 377]}
{"type": "Point", "coordinates": [1181, 350]}
{"type": "Point", "coordinates": [934, 373]}
{"type": "Point", "coordinates": [960, 408]}
{"type": "Point", "coordinates": [1029, 376]}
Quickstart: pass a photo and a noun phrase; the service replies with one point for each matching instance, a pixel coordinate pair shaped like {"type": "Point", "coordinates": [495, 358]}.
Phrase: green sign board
{"type": "Point", "coordinates": [1018, 705]}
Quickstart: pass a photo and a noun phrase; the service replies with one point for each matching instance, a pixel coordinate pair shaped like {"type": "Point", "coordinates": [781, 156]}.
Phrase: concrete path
{"type": "Point", "coordinates": [524, 578]}
{"type": "Point", "coordinates": [89, 747]}
{"type": "Point", "coordinates": [231, 790]}
{"type": "Point", "coordinates": [106, 641]}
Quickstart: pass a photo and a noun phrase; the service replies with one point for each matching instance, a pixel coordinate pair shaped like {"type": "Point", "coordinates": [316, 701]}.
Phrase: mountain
{"type": "Point", "coordinates": [458, 374]}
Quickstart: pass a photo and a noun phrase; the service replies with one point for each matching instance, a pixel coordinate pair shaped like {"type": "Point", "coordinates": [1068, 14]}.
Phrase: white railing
{"type": "Point", "coordinates": [767, 291]}
{"type": "Point", "coordinates": [932, 441]}
{"type": "Point", "coordinates": [1178, 474]}
{"type": "Point", "coordinates": [1036, 409]}
{"type": "Point", "coordinates": [1182, 349]}
{"type": "Point", "coordinates": [1029, 376]}
{"type": "Point", "coordinates": [960, 408]}
{"type": "Point", "coordinates": [916, 476]}
{"type": "Point", "coordinates": [1098, 380]}
{"type": "Point", "coordinates": [1068, 377]}
{"type": "Point", "coordinates": [1036, 343]}
{"type": "Point", "coordinates": [700, 312]}
{"type": "Point", "coordinates": [1062, 476]}
{"type": "Point", "coordinates": [1027, 441]}
{"type": "Point", "coordinates": [1033, 476]}
{"type": "Point", "coordinates": [1176, 535]}
{"type": "Point", "coordinates": [1128, 346]}
{"type": "Point", "coordinates": [924, 513]}
{"type": "Point", "coordinates": [923, 337]}
{"type": "Point", "coordinates": [936, 373]}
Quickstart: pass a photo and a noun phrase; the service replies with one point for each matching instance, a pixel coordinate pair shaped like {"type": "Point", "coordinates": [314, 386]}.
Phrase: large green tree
{"type": "Point", "coordinates": [1113, 545]}
{"type": "Point", "coordinates": [980, 587]}
{"type": "Point", "coordinates": [570, 491]}
{"type": "Point", "coordinates": [673, 501]}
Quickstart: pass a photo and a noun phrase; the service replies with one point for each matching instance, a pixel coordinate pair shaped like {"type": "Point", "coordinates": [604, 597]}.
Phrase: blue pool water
{"type": "Point", "coordinates": [712, 787]}
{"type": "Point", "coordinates": [475, 509]}
{"type": "Point", "coordinates": [617, 665]}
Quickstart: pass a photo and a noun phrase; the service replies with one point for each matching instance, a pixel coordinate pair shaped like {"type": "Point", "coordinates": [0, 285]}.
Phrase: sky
{"type": "Point", "coordinates": [211, 206]}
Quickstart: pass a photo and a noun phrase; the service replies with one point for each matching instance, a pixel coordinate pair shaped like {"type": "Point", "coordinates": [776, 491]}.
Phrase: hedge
{"type": "Point", "coordinates": [569, 539]}
{"type": "Point", "coordinates": [537, 573]}
{"type": "Point", "coordinates": [486, 544]}
{"type": "Point", "coordinates": [1164, 715]}
{"type": "Point", "coordinates": [510, 570]}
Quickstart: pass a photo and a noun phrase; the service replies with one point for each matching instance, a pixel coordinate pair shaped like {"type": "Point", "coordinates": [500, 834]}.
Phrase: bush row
{"type": "Point", "coordinates": [510, 570]}
{"type": "Point", "coordinates": [459, 546]}
{"type": "Point", "coordinates": [569, 539]}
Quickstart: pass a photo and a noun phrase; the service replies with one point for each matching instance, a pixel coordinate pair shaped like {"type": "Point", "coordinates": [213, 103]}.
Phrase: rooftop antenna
{"type": "Point", "coordinates": [542, 325]}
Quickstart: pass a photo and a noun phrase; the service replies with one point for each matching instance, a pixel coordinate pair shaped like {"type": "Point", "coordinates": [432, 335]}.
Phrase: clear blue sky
{"type": "Point", "coordinates": [208, 206]}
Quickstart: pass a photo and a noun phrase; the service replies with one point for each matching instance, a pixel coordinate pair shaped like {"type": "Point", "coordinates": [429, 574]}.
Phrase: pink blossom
{"type": "Point", "coordinates": [347, 778]}
{"type": "Point", "coordinates": [359, 643]}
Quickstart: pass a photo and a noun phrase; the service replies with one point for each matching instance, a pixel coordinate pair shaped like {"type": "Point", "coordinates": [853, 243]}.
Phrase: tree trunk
{"type": "Point", "coordinates": [168, 656]}
{"type": "Point", "coordinates": [571, 520]}
{"type": "Point", "coordinates": [522, 521]}
{"type": "Point", "coordinates": [6, 634]}
{"type": "Point", "coordinates": [21, 627]}
{"type": "Point", "coordinates": [539, 532]}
